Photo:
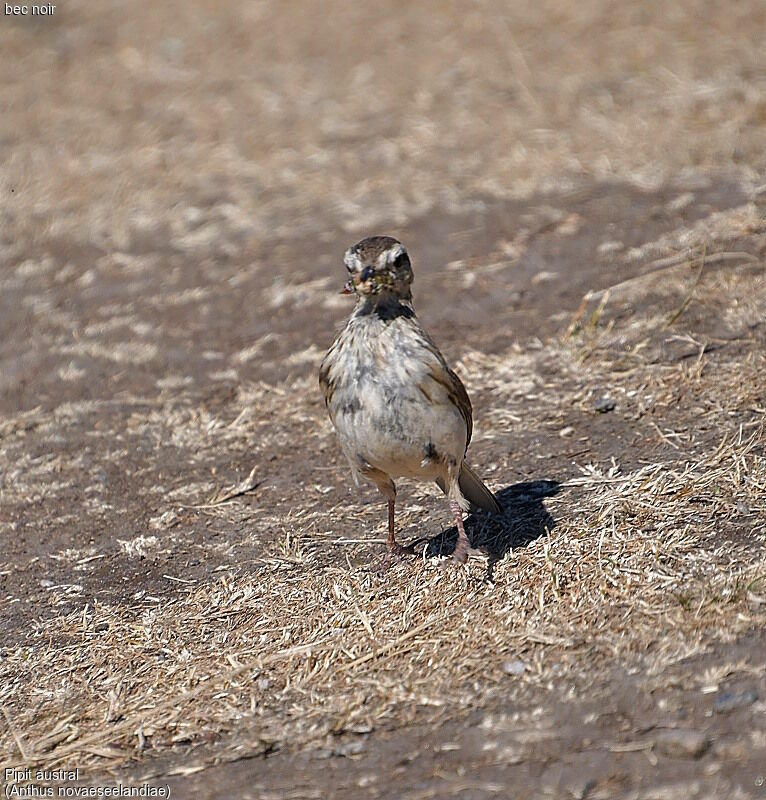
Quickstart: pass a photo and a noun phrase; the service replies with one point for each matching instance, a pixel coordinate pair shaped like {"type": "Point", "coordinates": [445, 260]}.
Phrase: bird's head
{"type": "Point", "coordinates": [376, 265]}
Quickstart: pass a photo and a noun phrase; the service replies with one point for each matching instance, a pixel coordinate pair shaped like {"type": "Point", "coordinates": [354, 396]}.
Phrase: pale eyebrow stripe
{"type": "Point", "coordinates": [390, 255]}
{"type": "Point", "coordinates": [352, 260]}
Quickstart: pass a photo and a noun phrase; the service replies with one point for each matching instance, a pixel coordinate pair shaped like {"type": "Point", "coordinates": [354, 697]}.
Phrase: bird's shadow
{"type": "Point", "coordinates": [524, 519]}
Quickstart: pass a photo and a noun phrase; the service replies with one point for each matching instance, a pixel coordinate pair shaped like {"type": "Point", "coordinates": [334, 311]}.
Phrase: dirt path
{"type": "Point", "coordinates": [590, 256]}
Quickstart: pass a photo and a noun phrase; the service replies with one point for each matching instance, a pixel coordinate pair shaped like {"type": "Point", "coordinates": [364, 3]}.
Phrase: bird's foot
{"type": "Point", "coordinates": [463, 550]}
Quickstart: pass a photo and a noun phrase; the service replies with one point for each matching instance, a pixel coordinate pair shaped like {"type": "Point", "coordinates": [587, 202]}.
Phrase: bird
{"type": "Point", "coordinates": [398, 409]}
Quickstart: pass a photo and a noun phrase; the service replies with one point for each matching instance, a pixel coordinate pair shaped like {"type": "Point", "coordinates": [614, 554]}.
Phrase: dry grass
{"type": "Point", "coordinates": [139, 146]}
{"type": "Point", "coordinates": [643, 565]}
{"type": "Point", "coordinates": [359, 115]}
{"type": "Point", "coordinates": [296, 651]}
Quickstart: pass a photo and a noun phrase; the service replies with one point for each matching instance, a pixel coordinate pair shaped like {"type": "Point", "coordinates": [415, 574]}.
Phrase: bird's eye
{"type": "Point", "coordinates": [367, 273]}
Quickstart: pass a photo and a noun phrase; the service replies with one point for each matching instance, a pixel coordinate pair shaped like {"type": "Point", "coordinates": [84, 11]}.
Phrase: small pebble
{"type": "Point", "coordinates": [604, 404]}
{"type": "Point", "coordinates": [729, 701]}
{"type": "Point", "coordinates": [742, 509]}
{"type": "Point", "coordinates": [514, 668]}
{"type": "Point", "coordinates": [568, 431]}
{"type": "Point", "coordinates": [682, 743]}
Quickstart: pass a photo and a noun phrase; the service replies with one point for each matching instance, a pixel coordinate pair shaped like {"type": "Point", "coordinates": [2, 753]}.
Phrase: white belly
{"type": "Point", "coordinates": [382, 416]}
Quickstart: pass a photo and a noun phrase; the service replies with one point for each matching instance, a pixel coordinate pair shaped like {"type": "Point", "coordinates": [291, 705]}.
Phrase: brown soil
{"type": "Point", "coordinates": [582, 194]}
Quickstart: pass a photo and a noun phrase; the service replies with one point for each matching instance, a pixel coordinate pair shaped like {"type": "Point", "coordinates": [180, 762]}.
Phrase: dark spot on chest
{"type": "Point", "coordinates": [390, 312]}
{"type": "Point", "coordinates": [351, 407]}
{"type": "Point", "coordinates": [362, 372]}
{"type": "Point", "coordinates": [387, 311]}
{"type": "Point", "coordinates": [429, 452]}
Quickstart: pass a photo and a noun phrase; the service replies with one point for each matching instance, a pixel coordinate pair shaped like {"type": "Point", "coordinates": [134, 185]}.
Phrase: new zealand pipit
{"type": "Point", "coordinates": [397, 408]}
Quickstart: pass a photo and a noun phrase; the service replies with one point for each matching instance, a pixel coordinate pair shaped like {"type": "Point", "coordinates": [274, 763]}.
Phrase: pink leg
{"type": "Point", "coordinates": [394, 548]}
{"type": "Point", "coordinates": [394, 551]}
{"type": "Point", "coordinates": [387, 488]}
{"type": "Point", "coordinates": [463, 546]}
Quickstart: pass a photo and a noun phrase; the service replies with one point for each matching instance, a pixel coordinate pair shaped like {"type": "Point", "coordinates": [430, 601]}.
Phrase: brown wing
{"type": "Point", "coordinates": [456, 392]}
{"type": "Point", "coordinates": [326, 384]}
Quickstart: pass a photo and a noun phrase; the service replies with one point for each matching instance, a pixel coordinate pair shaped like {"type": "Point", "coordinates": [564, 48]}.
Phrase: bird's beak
{"type": "Point", "coordinates": [348, 288]}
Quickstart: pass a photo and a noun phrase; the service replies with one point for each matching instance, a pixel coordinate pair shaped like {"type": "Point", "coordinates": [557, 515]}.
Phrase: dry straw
{"type": "Point", "coordinates": [632, 560]}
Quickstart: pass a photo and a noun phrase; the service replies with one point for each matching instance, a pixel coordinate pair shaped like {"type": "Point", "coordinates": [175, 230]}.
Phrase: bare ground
{"type": "Point", "coordinates": [582, 193]}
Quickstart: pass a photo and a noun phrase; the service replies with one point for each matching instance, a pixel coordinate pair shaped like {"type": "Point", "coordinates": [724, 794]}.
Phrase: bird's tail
{"type": "Point", "coordinates": [473, 489]}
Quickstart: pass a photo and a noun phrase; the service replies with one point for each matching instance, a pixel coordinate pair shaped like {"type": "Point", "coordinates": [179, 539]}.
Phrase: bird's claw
{"type": "Point", "coordinates": [463, 551]}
